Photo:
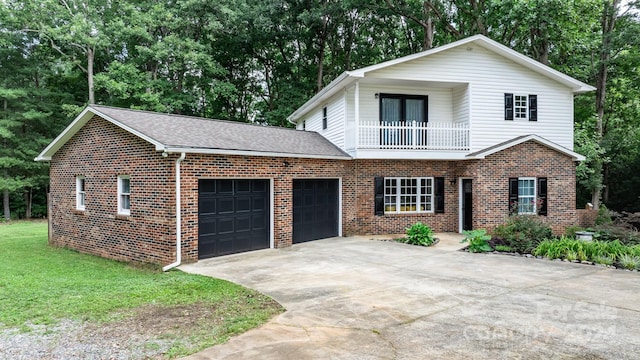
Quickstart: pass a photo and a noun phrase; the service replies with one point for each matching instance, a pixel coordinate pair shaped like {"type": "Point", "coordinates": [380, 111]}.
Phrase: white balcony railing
{"type": "Point", "coordinates": [414, 135]}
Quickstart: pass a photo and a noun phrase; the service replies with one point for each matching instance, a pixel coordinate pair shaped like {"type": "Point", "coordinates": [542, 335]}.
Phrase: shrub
{"type": "Point", "coordinates": [419, 234]}
{"type": "Point", "coordinates": [611, 232]}
{"type": "Point", "coordinates": [603, 259]}
{"type": "Point", "coordinates": [571, 231]}
{"type": "Point", "coordinates": [523, 232]}
{"type": "Point", "coordinates": [630, 262]}
{"type": "Point", "coordinates": [503, 248]}
{"type": "Point", "coordinates": [604, 216]}
{"type": "Point", "coordinates": [478, 240]}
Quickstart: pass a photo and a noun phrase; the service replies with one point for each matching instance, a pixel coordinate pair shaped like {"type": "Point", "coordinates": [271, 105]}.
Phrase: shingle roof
{"type": "Point", "coordinates": [193, 134]}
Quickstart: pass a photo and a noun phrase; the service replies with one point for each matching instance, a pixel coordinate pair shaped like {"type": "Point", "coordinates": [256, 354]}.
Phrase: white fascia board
{"type": "Point", "coordinates": [540, 140]}
{"type": "Point", "coordinates": [78, 123]}
{"type": "Point", "coordinates": [65, 135]}
{"type": "Point", "coordinates": [250, 153]}
{"type": "Point", "coordinates": [410, 154]}
{"type": "Point", "coordinates": [334, 86]}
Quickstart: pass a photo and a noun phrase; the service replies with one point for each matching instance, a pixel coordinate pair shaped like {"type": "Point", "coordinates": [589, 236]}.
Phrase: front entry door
{"type": "Point", "coordinates": [467, 204]}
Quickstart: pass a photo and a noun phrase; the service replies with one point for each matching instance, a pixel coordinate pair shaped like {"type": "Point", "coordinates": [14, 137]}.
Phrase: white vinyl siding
{"type": "Point", "coordinates": [460, 100]}
{"type": "Point", "coordinates": [491, 76]}
{"type": "Point", "coordinates": [335, 120]}
{"type": "Point", "coordinates": [350, 122]}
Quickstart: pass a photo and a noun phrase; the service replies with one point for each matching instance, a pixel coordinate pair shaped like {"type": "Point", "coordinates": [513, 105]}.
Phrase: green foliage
{"type": "Point", "coordinates": [419, 234]}
{"type": "Point", "coordinates": [571, 231]}
{"type": "Point", "coordinates": [600, 252]}
{"type": "Point", "coordinates": [523, 232]}
{"type": "Point", "coordinates": [503, 248]}
{"type": "Point", "coordinates": [604, 216]}
{"type": "Point", "coordinates": [629, 262]}
{"type": "Point", "coordinates": [83, 287]}
{"type": "Point", "coordinates": [611, 232]}
{"type": "Point", "coordinates": [478, 240]}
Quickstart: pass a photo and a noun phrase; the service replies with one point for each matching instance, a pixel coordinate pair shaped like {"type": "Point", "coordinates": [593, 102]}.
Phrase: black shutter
{"type": "Point", "coordinates": [379, 195]}
{"type": "Point", "coordinates": [533, 107]}
{"type": "Point", "coordinates": [508, 106]}
{"type": "Point", "coordinates": [438, 192]}
{"type": "Point", "coordinates": [513, 196]}
{"type": "Point", "coordinates": [542, 196]}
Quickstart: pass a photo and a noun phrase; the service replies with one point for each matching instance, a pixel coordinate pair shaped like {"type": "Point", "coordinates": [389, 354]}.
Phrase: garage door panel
{"type": "Point", "coordinates": [233, 216]}
{"type": "Point", "coordinates": [315, 209]}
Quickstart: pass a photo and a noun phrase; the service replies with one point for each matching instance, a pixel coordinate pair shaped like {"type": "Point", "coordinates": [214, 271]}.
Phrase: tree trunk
{"type": "Point", "coordinates": [90, 58]}
{"type": "Point", "coordinates": [608, 21]}
{"type": "Point", "coordinates": [5, 201]}
{"type": "Point", "coordinates": [28, 196]}
{"type": "Point", "coordinates": [428, 27]}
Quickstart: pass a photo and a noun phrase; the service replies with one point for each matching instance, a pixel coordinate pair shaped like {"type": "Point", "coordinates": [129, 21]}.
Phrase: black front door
{"type": "Point", "coordinates": [467, 204]}
{"type": "Point", "coordinates": [315, 209]}
{"type": "Point", "coordinates": [233, 216]}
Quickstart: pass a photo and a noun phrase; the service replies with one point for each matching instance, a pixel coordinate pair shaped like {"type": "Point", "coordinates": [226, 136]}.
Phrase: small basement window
{"type": "Point", "coordinates": [80, 192]}
{"type": "Point", "coordinates": [124, 194]}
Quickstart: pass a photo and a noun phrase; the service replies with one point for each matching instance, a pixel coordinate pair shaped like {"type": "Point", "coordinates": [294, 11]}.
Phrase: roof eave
{"type": "Point", "coordinates": [322, 95]}
{"type": "Point", "coordinates": [540, 140]}
{"type": "Point", "coordinates": [190, 150]}
{"type": "Point", "coordinates": [78, 123]}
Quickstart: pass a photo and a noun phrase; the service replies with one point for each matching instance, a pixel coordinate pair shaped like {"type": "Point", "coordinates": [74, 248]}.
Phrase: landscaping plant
{"type": "Point", "coordinates": [478, 240]}
{"type": "Point", "coordinates": [523, 232]}
{"type": "Point", "coordinates": [419, 234]}
{"type": "Point", "coordinates": [629, 262]}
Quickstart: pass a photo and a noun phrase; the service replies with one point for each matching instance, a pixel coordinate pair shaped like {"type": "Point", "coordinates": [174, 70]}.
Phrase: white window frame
{"type": "Point", "coordinates": [81, 193]}
{"type": "Point", "coordinates": [533, 197]}
{"type": "Point", "coordinates": [421, 201]}
{"type": "Point", "coordinates": [121, 195]}
{"type": "Point", "coordinates": [520, 107]}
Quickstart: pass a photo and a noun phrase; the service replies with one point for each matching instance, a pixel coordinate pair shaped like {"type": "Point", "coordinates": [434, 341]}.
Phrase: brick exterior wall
{"type": "Point", "coordinates": [100, 151]}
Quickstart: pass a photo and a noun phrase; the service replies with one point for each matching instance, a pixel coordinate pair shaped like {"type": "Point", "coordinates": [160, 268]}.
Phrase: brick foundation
{"type": "Point", "coordinates": [101, 151]}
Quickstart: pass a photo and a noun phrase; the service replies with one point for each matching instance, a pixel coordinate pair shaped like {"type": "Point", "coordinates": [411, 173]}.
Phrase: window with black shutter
{"type": "Point", "coordinates": [508, 106]}
{"type": "Point", "coordinates": [542, 196]}
{"type": "Point", "coordinates": [533, 107]}
{"type": "Point", "coordinates": [513, 196]}
{"type": "Point", "coordinates": [439, 194]}
{"type": "Point", "coordinates": [379, 195]}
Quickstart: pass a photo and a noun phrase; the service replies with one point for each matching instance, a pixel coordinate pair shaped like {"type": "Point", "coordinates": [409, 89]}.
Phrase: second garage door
{"type": "Point", "coordinates": [315, 209]}
{"type": "Point", "coordinates": [233, 216]}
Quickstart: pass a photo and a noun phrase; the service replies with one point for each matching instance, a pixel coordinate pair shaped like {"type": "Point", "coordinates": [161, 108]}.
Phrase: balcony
{"type": "Point", "coordinates": [414, 135]}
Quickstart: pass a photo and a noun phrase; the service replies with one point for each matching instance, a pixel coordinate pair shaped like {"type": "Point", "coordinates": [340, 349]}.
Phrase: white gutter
{"type": "Point", "coordinates": [178, 218]}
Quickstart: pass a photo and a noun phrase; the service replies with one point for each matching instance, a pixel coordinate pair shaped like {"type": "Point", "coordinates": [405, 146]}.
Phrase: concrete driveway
{"type": "Point", "coordinates": [357, 298]}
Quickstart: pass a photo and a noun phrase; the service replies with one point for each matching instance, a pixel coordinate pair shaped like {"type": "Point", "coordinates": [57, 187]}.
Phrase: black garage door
{"type": "Point", "coordinates": [233, 216]}
{"type": "Point", "coordinates": [315, 209]}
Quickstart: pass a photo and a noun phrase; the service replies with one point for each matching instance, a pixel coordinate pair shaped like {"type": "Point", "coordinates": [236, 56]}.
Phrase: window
{"type": "Point", "coordinates": [324, 118]}
{"type": "Point", "coordinates": [80, 192]}
{"type": "Point", "coordinates": [395, 108]}
{"type": "Point", "coordinates": [521, 107]}
{"type": "Point", "coordinates": [408, 195]}
{"type": "Point", "coordinates": [124, 194]}
{"type": "Point", "coordinates": [528, 196]}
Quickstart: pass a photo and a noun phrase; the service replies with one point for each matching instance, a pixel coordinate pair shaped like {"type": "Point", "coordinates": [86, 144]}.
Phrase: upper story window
{"type": "Point", "coordinates": [397, 107]}
{"type": "Point", "coordinates": [124, 194]}
{"type": "Point", "coordinates": [80, 192]}
{"type": "Point", "coordinates": [324, 118]}
{"type": "Point", "coordinates": [520, 107]}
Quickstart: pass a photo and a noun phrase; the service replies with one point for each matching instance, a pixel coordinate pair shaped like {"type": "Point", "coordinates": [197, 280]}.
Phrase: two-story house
{"type": "Point", "coordinates": [457, 137]}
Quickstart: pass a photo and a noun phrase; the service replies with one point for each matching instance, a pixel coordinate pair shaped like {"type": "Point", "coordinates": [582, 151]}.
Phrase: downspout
{"type": "Point", "coordinates": [178, 218]}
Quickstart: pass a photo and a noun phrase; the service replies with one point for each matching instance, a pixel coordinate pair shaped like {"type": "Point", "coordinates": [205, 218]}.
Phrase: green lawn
{"type": "Point", "coordinates": [40, 284]}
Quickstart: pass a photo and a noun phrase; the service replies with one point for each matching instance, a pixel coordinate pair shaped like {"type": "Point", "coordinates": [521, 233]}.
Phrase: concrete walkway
{"type": "Point", "coordinates": [357, 298]}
